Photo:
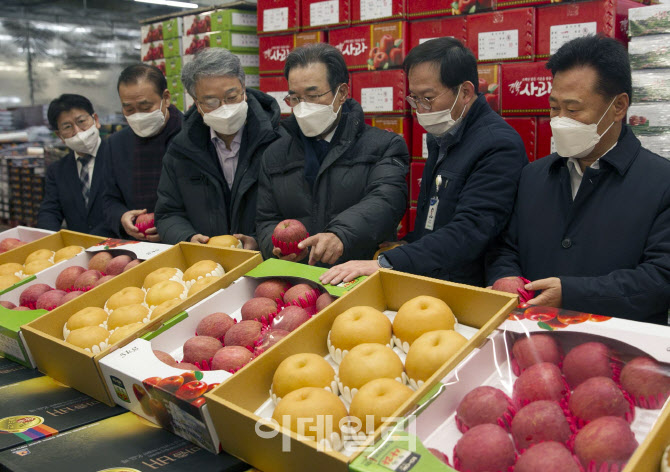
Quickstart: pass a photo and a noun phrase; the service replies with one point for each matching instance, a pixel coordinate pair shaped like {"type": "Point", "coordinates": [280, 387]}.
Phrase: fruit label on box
{"type": "Point", "coordinates": [377, 99]}
{"type": "Point", "coordinates": [275, 19]}
{"type": "Point", "coordinates": [372, 9]}
{"type": "Point", "coordinates": [561, 34]}
{"type": "Point", "coordinates": [424, 145]}
{"type": "Point", "coordinates": [248, 60]}
{"type": "Point", "coordinates": [238, 40]}
{"type": "Point", "coordinates": [308, 37]}
{"type": "Point", "coordinates": [495, 45]}
{"type": "Point", "coordinates": [11, 347]}
{"type": "Point", "coordinates": [253, 80]}
{"type": "Point", "coordinates": [324, 13]}
{"type": "Point", "coordinates": [244, 19]}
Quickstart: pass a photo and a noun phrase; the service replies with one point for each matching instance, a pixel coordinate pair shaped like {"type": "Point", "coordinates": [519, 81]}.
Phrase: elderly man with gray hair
{"type": "Point", "coordinates": [208, 183]}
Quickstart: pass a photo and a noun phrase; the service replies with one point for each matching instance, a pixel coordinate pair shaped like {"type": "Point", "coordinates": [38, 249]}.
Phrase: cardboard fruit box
{"type": "Point", "coordinates": [77, 367]}
{"type": "Point", "coordinates": [276, 16]}
{"type": "Point", "coordinates": [394, 124]}
{"type": "Point", "coordinates": [276, 87]}
{"type": "Point", "coordinates": [372, 11]}
{"type": "Point", "coordinates": [152, 51]}
{"type": "Point", "coordinates": [439, 8]}
{"type": "Point", "coordinates": [545, 141]}
{"type": "Point", "coordinates": [381, 92]}
{"type": "Point", "coordinates": [240, 403]}
{"type": "Point", "coordinates": [172, 397]}
{"type": "Point", "coordinates": [324, 13]}
{"type": "Point", "coordinates": [159, 63]}
{"type": "Point", "coordinates": [423, 31]}
{"type": "Point", "coordinates": [172, 28]}
{"type": "Point", "coordinates": [419, 145]}
{"type": "Point", "coordinates": [527, 129]}
{"type": "Point", "coordinates": [124, 443]}
{"type": "Point", "coordinates": [434, 424]}
{"type": "Point", "coordinates": [197, 24]}
{"type": "Point", "coordinates": [172, 47]}
{"type": "Point", "coordinates": [173, 66]}
{"type": "Point", "coordinates": [24, 234]}
{"type": "Point", "coordinates": [526, 87]}
{"type": "Point", "coordinates": [151, 32]}
{"type": "Point", "coordinates": [415, 175]}
{"type": "Point", "coordinates": [273, 51]}
{"type": "Point", "coordinates": [13, 345]}
{"type": "Point", "coordinates": [489, 84]}
{"type": "Point", "coordinates": [231, 40]}
{"type": "Point", "coordinates": [234, 20]}
{"type": "Point", "coordinates": [373, 47]}
{"type": "Point", "coordinates": [507, 35]}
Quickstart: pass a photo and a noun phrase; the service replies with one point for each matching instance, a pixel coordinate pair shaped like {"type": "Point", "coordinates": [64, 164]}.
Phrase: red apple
{"type": "Point", "coordinates": [144, 222]}
{"type": "Point", "coordinates": [287, 235]}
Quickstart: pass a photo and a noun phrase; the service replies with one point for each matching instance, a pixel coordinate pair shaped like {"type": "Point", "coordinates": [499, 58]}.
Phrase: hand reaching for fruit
{"type": "Point", "coordinates": [551, 292]}
{"type": "Point", "coordinates": [326, 248]}
{"type": "Point", "coordinates": [128, 223]}
{"type": "Point", "coordinates": [248, 242]}
{"type": "Point", "coordinates": [291, 257]}
{"type": "Point", "coordinates": [349, 271]}
{"type": "Point", "coordinates": [200, 239]}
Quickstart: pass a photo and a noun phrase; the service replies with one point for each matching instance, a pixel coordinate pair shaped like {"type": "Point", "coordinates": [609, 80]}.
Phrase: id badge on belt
{"type": "Point", "coordinates": [434, 202]}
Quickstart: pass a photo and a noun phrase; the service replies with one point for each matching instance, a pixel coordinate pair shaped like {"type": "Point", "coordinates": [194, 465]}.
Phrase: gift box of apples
{"type": "Point", "coordinates": [320, 14]}
{"type": "Point", "coordinates": [375, 47]}
{"type": "Point", "coordinates": [381, 92]}
{"type": "Point", "coordinates": [152, 51]}
{"type": "Point", "coordinates": [545, 141]}
{"type": "Point", "coordinates": [276, 87]}
{"type": "Point", "coordinates": [394, 124]}
{"type": "Point", "coordinates": [370, 355]}
{"type": "Point", "coordinates": [160, 64]}
{"type": "Point", "coordinates": [151, 32]}
{"type": "Point", "coordinates": [235, 20]}
{"type": "Point", "coordinates": [507, 35]}
{"type": "Point", "coordinates": [422, 31]}
{"type": "Point", "coordinates": [273, 51]}
{"type": "Point", "coordinates": [170, 369]}
{"type": "Point", "coordinates": [277, 16]}
{"type": "Point", "coordinates": [173, 28]}
{"type": "Point", "coordinates": [366, 11]}
{"type": "Point", "coordinates": [526, 87]}
{"type": "Point", "coordinates": [197, 24]}
{"type": "Point", "coordinates": [68, 342]}
{"type": "Point", "coordinates": [551, 388]}
{"type": "Point", "coordinates": [432, 8]}
{"type": "Point", "coordinates": [527, 129]}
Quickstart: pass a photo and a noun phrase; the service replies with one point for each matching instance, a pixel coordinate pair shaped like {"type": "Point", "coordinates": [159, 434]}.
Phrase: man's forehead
{"type": "Point", "coordinates": [72, 114]}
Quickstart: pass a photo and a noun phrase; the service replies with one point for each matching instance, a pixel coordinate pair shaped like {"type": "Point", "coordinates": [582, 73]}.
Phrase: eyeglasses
{"type": "Point", "coordinates": [292, 99]}
{"type": "Point", "coordinates": [82, 123]}
{"type": "Point", "coordinates": [423, 102]}
{"type": "Point", "coordinates": [214, 103]}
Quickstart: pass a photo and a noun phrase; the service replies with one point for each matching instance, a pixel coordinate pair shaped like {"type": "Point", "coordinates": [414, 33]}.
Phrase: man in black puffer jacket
{"type": "Point", "coordinates": [344, 180]}
{"type": "Point", "coordinates": [209, 180]}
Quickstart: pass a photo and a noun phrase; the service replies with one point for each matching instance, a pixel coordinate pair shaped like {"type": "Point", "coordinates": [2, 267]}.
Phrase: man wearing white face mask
{"type": "Point", "coordinates": [344, 180]}
{"type": "Point", "coordinates": [136, 153]}
{"type": "Point", "coordinates": [591, 226]}
{"type": "Point", "coordinates": [209, 179]}
{"type": "Point", "coordinates": [469, 181]}
{"type": "Point", "coordinates": [75, 184]}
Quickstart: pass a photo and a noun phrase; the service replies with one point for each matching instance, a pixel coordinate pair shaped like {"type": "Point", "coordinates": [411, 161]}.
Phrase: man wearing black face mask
{"type": "Point", "coordinates": [209, 179]}
{"type": "Point", "coordinates": [344, 180]}
{"type": "Point", "coordinates": [470, 178]}
{"type": "Point", "coordinates": [591, 226]}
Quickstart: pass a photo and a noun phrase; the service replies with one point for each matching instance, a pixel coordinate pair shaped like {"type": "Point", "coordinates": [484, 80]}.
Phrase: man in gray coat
{"type": "Point", "coordinates": [209, 178]}
{"type": "Point", "coordinates": [343, 179]}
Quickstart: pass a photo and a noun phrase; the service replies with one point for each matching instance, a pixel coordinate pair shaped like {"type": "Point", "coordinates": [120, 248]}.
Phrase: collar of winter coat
{"type": "Point", "coordinates": [620, 158]}
{"type": "Point", "coordinates": [262, 120]}
{"type": "Point", "coordinates": [478, 109]}
{"type": "Point", "coordinates": [354, 124]}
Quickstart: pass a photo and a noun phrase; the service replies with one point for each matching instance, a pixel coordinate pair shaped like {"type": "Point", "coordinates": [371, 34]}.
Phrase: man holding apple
{"type": "Point", "coordinates": [591, 225]}
{"type": "Point", "coordinates": [470, 179]}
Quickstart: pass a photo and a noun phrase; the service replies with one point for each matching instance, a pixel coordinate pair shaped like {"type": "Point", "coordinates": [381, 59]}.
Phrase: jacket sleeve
{"type": "Point", "coordinates": [50, 215]}
{"type": "Point", "coordinates": [114, 203]}
{"type": "Point", "coordinates": [267, 211]}
{"type": "Point", "coordinates": [171, 221]}
{"type": "Point", "coordinates": [376, 216]}
{"type": "Point", "coordinates": [635, 294]}
{"type": "Point", "coordinates": [482, 212]}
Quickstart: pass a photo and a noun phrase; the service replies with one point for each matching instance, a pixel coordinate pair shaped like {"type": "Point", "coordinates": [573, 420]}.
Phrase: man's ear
{"type": "Point", "coordinates": [468, 91]}
{"type": "Point", "coordinates": [97, 120]}
{"type": "Point", "coordinates": [167, 96]}
{"type": "Point", "coordinates": [343, 93]}
{"type": "Point", "coordinates": [620, 105]}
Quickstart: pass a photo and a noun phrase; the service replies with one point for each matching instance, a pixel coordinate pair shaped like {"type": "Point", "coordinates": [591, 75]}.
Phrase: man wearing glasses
{"type": "Point", "coordinates": [344, 180]}
{"type": "Point", "coordinates": [208, 183]}
{"type": "Point", "coordinates": [74, 184]}
{"type": "Point", "coordinates": [469, 182]}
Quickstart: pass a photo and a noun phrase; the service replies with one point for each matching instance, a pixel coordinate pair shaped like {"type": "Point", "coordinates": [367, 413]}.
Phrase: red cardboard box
{"type": "Point", "coordinates": [525, 88]}
{"type": "Point", "coordinates": [506, 4]}
{"type": "Point", "coordinates": [395, 124]}
{"type": "Point", "coordinates": [489, 84]}
{"type": "Point", "coordinates": [502, 35]}
{"type": "Point", "coordinates": [276, 87]}
{"type": "Point", "coordinates": [419, 135]}
{"type": "Point", "coordinates": [411, 219]}
{"type": "Point", "coordinates": [432, 8]}
{"type": "Point", "coordinates": [558, 24]}
{"type": "Point", "coordinates": [527, 129]}
{"type": "Point", "coordinates": [371, 11]}
{"type": "Point", "coordinates": [381, 92]}
{"type": "Point", "coordinates": [273, 51]}
{"type": "Point", "coordinates": [422, 31]}
{"type": "Point", "coordinates": [275, 16]}
{"type": "Point", "coordinates": [545, 141]}
{"type": "Point", "coordinates": [309, 37]}
{"type": "Point", "coordinates": [415, 174]}
{"type": "Point", "coordinates": [321, 13]}
{"type": "Point", "coordinates": [374, 47]}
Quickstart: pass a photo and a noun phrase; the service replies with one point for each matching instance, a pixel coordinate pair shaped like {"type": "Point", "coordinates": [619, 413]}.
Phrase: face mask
{"type": "Point", "coordinates": [574, 138]}
{"type": "Point", "coordinates": [227, 119]}
{"type": "Point", "coordinates": [438, 123]}
{"type": "Point", "coordinates": [146, 125]}
{"type": "Point", "coordinates": [84, 142]}
{"type": "Point", "coordinates": [314, 118]}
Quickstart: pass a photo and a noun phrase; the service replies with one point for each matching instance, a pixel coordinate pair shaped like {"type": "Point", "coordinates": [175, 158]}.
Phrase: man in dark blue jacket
{"type": "Point", "coordinates": [75, 184]}
{"type": "Point", "coordinates": [470, 179]}
{"type": "Point", "coordinates": [591, 226]}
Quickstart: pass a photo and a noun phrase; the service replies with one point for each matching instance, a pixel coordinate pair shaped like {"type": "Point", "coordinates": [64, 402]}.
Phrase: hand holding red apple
{"type": "Point", "coordinates": [128, 223]}
{"type": "Point", "coordinates": [326, 248]}
{"type": "Point", "coordinates": [291, 257]}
